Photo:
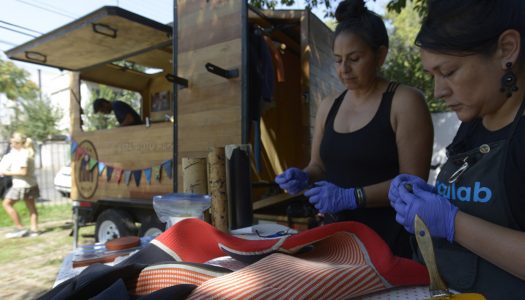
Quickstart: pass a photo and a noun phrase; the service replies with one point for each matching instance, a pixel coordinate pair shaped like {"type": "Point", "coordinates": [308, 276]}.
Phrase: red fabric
{"type": "Point", "coordinates": [193, 240]}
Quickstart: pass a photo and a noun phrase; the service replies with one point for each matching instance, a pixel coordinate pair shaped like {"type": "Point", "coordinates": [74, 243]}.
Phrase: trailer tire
{"type": "Point", "coordinates": [112, 224]}
{"type": "Point", "coordinates": [152, 227]}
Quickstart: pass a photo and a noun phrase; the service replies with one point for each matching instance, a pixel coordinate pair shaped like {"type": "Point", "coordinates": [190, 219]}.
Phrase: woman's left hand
{"type": "Point", "coordinates": [330, 198]}
{"type": "Point", "coordinates": [435, 210]}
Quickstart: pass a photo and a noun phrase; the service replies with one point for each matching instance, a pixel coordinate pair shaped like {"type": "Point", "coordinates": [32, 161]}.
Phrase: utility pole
{"type": "Point", "coordinates": [40, 84]}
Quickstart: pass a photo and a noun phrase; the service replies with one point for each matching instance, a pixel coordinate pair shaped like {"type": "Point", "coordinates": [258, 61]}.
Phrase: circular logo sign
{"type": "Point", "coordinates": [86, 169]}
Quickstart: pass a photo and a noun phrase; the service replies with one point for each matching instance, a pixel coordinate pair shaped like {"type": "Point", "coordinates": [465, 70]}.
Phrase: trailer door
{"type": "Point", "coordinates": [211, 56]}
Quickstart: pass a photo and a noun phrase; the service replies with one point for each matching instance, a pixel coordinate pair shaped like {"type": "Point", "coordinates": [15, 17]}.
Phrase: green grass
{"type": "Point", "coordinates": [46, 213]}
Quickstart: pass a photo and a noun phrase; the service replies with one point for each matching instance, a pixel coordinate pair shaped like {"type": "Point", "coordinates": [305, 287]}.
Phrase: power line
{"type": "Point", "coordinates": [59, 9]}
{"type": "Point", "coordinates": [21, 27]}
{"type": "Point", "coordinates": [47, 9]}
{"type": "Point", "coordinates": [7, 43]}
{"type": "Point", "coordinates": [20, 32]}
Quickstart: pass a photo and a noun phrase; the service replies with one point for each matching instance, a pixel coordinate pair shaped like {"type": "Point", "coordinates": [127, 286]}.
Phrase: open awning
{"type": "Point", "coordinates": [105, 35]}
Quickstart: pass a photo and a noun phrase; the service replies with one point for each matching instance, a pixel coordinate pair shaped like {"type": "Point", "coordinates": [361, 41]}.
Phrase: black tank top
{"type": "Point", "coordinates": [363, 157]}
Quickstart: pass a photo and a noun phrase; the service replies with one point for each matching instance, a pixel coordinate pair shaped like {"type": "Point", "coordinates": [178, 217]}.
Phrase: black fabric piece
{"type": "Point", "coordinates": [473, 134]}
{"type": "Point", "coordinates": [361, 158]}
{"type": "Point", "coordinates": [151, 254]}
{"type": "Point", "coordinates": [261, 87]}
{"type": "Point", "coordinates": [92, 281]}
{"type": "Point", "coordinates": [176, 292]}
{"type": "Point", "coordinates": [116, 291]}
{"type": "Point", "coordinates": [5, 183]}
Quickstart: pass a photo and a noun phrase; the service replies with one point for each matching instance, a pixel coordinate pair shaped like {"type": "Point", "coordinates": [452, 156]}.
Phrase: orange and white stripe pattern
{"type": "Point", "coordinates": [337, 267]}
{"type": "Point", "coordinates": [157, 277]}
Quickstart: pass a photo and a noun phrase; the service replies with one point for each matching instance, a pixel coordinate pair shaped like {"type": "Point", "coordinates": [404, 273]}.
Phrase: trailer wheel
{"type": "Point", "coordinates": [112, 224]}
{"type": "Point", "coordinates": [152, 227]}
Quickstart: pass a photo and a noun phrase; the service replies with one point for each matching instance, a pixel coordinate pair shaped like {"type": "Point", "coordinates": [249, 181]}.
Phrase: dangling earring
{"type": "Point", "coordinates": [508, 81]}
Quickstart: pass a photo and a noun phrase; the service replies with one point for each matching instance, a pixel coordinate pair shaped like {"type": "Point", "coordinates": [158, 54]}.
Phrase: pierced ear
{"type": "Point", "coordinates": [509, 46]}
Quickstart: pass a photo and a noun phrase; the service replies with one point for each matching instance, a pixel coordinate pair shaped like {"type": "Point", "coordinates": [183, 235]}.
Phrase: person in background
{"type": "Point", "coordinates": [124, 113]}
{"type": "Point", "coordinates": [5, 181]}
{"type": "Point", "coordinates": [475, 50]}
{"type": "Point", "coordinates": [22, 170]}
{"type": "Point", "coordinates": [366, 136]}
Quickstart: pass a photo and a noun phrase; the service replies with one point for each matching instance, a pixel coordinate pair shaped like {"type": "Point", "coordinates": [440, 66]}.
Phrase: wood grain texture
{"type": "Point", "coordinates": [217, 188]}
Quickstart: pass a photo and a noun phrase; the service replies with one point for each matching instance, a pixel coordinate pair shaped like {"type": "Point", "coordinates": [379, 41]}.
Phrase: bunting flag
{"type": "Point", "coordinates": [119, 175]}
{"type": "Point", "coordinates": [88, 163]}
{"type": "Point", "coordinates": [92, 163]}
{"type": "Point", "coordinates": [137, 174]}
{"type": "Point", "coordinates": [74, 146]}
{"type": "Point", "coordinates": [167, 167]}
{"type": "Point", "coordinates": [127, 176]}
{"type": "Point", "coordinates": [109, 171]}
{"type": "Point", "coordinates": [101, 167]}
{"type": "Point", "coordinates": [78, 155]}
{"type": "Point", "coordinates": [147, 172]}
{"type": "Point", "coordinates": [156, 173]}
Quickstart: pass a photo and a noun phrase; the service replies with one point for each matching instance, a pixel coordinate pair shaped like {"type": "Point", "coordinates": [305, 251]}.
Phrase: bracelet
{"type": "Point", "coordinates": [360, 197]}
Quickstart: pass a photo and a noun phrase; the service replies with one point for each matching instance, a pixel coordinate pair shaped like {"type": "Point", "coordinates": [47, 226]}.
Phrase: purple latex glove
{"type": "Point", "coordinates": [330, 198]}
{"type": "Point", "coordinates": [435, 210]}
{"type": "Point", "coordinates": [401, 180]}
{"type": "Point", "coordinates": [293, 180]}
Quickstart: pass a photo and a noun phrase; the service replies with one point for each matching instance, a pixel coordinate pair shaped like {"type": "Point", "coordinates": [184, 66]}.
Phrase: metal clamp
{"type": "Point", "coordinates": [228, 74]}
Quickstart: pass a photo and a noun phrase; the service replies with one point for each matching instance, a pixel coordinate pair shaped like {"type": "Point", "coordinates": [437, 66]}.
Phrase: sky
{"type": "Point", "coordinates": [22, 20]}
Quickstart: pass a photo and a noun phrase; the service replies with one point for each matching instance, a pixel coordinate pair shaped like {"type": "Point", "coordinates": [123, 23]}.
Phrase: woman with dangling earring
{"type": "Point", "coordinates": [475, 50]}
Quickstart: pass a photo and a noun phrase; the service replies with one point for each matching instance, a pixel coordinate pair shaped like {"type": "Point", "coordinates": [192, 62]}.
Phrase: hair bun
{"type": "Point", "coordinates": [348, 9]}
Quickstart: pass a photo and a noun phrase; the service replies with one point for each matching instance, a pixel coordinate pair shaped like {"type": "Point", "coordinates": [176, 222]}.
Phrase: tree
{"type": "Point", "coordinates": [15, 83]}
{"type": "Point", "coordinates": [33, 116]}
{"type": "Point", "coordinates": [36, 118]}
{"type": "Point", "coordinates": [397, 6]}
{"type": "Point", "coordinates": [403, 63]}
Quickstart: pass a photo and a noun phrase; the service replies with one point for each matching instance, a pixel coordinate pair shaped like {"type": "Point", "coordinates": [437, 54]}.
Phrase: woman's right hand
{"type": "Point", "coordinates": [293, 180]}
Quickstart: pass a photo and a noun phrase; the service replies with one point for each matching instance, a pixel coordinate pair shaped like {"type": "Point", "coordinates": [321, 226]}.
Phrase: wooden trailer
{"type": "Point", "coordinates": [201, 82]}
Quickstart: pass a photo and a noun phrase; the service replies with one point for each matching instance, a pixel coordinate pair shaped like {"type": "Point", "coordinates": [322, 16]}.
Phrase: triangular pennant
{"type": "Point", "coordinates": [78, 154]}
{"type": "Point", "coordinates": [156, 173]}
{"type": "Point", "coordinates": [92, 164]}
{"type": "Point", "coordinates": [127, 176]}
{"type": "Point", "coordinates": [101, 167]}
{"type": "Point", "coordinates": [168, 168]}
{"type": "Point", "coordinates": [119, 175]}
{"type": "Point", "coordinates": [74, 146]}
{"type": "Point", "coordinates": [147, 172]}
{"type": "Point", "coordinates": [109, 171]}
{"type": "Point", "coordinates": [137, 174]}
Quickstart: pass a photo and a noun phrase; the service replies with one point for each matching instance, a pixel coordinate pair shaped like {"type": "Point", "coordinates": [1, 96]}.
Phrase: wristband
{"type": "Point", "coordinates": [360, 197]}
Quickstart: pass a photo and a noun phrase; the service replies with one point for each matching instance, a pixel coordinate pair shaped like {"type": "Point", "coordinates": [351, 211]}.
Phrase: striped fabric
{"type": "Point", "coordinates": [337, 267]}
{"type": "Point", "coordinates": [161, 276]}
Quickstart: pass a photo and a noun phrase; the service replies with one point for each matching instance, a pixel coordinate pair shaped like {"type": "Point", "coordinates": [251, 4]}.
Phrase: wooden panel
{"type": "Point", "coordinates": [209, 110]}
{"type": "Point", "coordinates": [77, 46]}
{"type": "Point", "coordinates": [129, 148]}
{"type": "Point", "coordinates": [205, 23]}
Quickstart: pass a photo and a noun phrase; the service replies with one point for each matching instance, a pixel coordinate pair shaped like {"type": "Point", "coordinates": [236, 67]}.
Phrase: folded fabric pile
{"type": "Point", "coordinates": [336, 261]}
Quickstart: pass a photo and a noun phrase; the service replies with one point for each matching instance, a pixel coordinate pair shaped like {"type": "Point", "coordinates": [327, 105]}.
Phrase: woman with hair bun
{"type": "Point", "coordinates": [475, 50]}
{"type": "Point", "coordinates": [373, 131]}
{"type": "Point", "coordinates": [22, 169]}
